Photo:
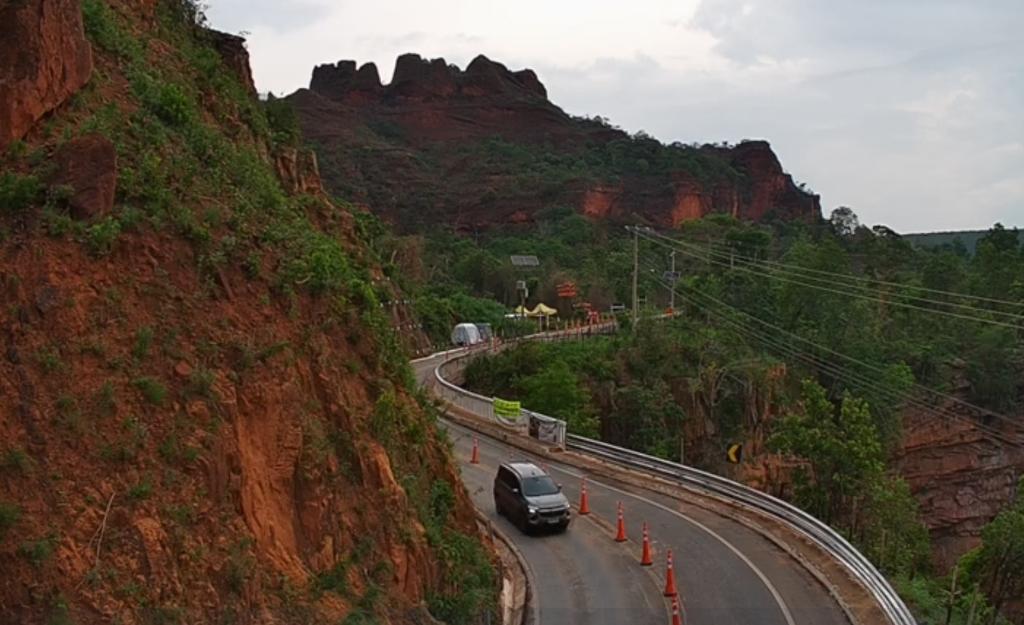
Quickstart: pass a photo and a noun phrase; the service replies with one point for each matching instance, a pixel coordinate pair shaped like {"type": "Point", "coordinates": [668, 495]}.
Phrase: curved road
{"type": "Point", "coordinates": [727, 573]}
{"type": "Point", "coordinates": [582, 576]}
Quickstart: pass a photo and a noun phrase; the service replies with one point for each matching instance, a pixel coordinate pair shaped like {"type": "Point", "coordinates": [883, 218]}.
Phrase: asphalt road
{"type": "Point", "coordinates": [583, 577]}
{"type": "Point", "coordinates": [727, 573]}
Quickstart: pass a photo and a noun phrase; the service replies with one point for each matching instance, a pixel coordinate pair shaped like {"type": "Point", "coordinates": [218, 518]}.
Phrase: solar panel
{"type": "Point", "coordinates": [525, 261]}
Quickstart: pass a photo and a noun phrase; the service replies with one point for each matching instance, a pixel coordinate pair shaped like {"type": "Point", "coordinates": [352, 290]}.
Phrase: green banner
{"type": "Point", "coordinates": [507, 409]}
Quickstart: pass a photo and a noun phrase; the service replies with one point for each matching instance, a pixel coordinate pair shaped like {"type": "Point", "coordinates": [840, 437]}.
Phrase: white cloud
{"type": "Point", "coordinates": [910, 111]}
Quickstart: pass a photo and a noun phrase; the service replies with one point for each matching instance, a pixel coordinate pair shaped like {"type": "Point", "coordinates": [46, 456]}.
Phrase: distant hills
{"type": "Point", "coordinates": [969, 238]}
{"type": "Point", "coordinates": [484, 147]}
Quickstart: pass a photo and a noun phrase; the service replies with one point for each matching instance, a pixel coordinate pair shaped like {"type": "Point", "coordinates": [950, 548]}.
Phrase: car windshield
{"type": "Point", "coordinates": [540, 485]}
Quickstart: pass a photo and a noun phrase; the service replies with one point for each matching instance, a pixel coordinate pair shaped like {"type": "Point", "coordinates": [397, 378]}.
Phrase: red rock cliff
{"type": "Point", "coordinates": [430, 120]}
{"type": "Point", "coordinates": [961, 478]}
{"type": "Point", "coordinates": [181, 440]}
{"type": "Point", "coordinates": [44, 59]}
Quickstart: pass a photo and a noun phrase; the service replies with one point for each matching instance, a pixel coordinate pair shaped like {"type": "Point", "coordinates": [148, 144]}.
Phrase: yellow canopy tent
{"type": "Point", "coordinates": [543, 310]}
{"type": "Point", "coordinates": [540, 310]}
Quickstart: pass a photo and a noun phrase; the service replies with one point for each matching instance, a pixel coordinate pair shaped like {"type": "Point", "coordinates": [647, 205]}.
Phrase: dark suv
{"type": "Point", "coordinates": [528, 497]}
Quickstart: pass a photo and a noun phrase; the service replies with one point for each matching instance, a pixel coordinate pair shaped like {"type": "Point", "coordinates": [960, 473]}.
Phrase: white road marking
{"type": "Point", "coordinates": [786, 614]}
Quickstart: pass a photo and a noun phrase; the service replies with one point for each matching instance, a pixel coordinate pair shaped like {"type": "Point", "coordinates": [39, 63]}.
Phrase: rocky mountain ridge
{"type": "Point", "coordinates": [445, 131]}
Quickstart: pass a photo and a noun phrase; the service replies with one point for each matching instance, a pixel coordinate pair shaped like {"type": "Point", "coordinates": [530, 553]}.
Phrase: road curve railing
{"type": "Point", "coordinates": [814, 530]}
{"type": "Point", "coordinates": [824, 536]}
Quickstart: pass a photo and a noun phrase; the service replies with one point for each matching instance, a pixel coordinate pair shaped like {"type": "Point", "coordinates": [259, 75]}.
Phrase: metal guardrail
{"type": "Point", "coordinates": [820, 533]}
{"type": "Point", "coordinates": [816, 531]}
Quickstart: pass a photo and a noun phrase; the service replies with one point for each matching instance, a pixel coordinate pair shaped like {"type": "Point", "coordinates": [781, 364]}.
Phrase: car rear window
{"type": "Point", "coordinates": [540, 485]}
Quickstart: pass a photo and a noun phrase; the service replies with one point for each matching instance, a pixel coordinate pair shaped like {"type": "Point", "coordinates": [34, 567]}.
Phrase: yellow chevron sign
{"type": "Point", "coordinates": [734, 453]}
{"type": "Point", "coordinates": [507, 409]}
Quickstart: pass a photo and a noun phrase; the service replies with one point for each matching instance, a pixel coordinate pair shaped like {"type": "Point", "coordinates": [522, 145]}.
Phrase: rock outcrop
{"type": "Point", "coordinates": [425, 126]}
{"type": "Point", "coordinates": [88, 167]}
{"type": "Point", "coordinates": [44, 59]}
{"type": "Point", "coordinates": [961, 478]}
{"type": "Point", "coordinates": [298, 171]}
{"type": "Point", "coordinates": [235, 55]}
{"type": "Point", "coordinates": [417, 78]}
{"type": "Point", "coordinates": [772, 191]}
{"type": "Point", "coordinates": [178, 442]}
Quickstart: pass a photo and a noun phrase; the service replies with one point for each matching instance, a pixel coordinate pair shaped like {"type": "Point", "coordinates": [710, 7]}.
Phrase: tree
{"type": "Point", "coordinates": [890, 530]}
{"type": "Point", "coordinates": [998, 565]}
{"type": "Point", "coordinates": [555, 391]}
{"type": "Point", "coordinates": [842, 451]}
{"type": "Point", "coordinates": [844, 222]}
{"type": "Point", "coordinates": [644, 418]}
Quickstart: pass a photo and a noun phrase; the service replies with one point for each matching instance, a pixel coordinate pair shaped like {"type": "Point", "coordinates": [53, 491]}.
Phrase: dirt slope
{"type": "Point", "coordinates": [205, 415]}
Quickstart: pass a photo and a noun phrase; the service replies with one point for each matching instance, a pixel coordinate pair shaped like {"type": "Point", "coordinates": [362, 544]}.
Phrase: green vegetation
{"type": "Point", "coordinates": [9, 515]}
{"type": "Point", "coordinates": [470, 576]}
{"type": "Point", "coordinates": [15, 459]}
{"type": "Point", "coordinates": [38, 552]}
{"type": "Point", "coordinates": [200, 383]}
{"type": "Point", "coordinates": [49, 360]}
{"type": "Point", "coordinates": [334, 579]}
{"type": "Point", "coordinates": [192, 166]}
{"type": "Point", "coordinates": [101, 236]}
{"type": "Point", "coordinates": [460, 279]}
{"type": "Point", "coordinates": [716, 375]}
{"type": "Point", "coordinates": [17, 192]}
{"type": "Point", "coordinates": [442, 178]}
{"type": "Point", "coordinates": [141, 490]}
{"type": "Point", "coordinates": [240, 565]}
{"type": "Point", "coordinates": [106, 400]}
{"type": "Point", "coordinates": [284, 125]}
{"type": "Point", "coordinates": [997, 567]}
{"type": "Point", "coordinates": [153, 390]}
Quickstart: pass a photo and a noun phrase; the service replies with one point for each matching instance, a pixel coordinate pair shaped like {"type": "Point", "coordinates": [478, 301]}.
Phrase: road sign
{"type": "Point", "coordinates": [735, 453]}
{"type": "Point", "coordinates": [506, 408]}
{"type": "Point", "coordinates": [522, 260]}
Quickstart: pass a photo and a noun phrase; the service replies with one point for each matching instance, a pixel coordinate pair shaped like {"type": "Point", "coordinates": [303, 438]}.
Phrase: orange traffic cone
{"type": "Point", "coordinates": [620, 534]}
{"type": "Point", "coordinates": [670, 577]}
{"type": "Point", "coordinates": [645, 556]}
{"type": "Point", "coordinates": [677, 618]}
{"type": "Point", "coordinates": [475, 458]}
{"type": "Point", "coordinates": [584, 502]}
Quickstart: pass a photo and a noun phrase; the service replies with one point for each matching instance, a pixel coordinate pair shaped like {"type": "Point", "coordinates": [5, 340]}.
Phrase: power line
{"type": "Point", "coordinates": [721, 258]}
{"type": "Point", "coordinates": [854, 294]}
{"type": "Point", "coordinates": [796, 268]}
{"type": "Point", "coordinates": [839, 371]}
{"type": "Point", "coordinates": [863, 288]}
{"type": "Point", "coordinates": [857, 380]}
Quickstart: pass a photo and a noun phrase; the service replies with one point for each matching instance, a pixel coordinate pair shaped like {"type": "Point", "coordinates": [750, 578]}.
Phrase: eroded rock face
{"type": "Point", "coordinates": [772, 191]}
{"type": "Point", "coordinates": [44, 59]}
{"type": "Point", "coordinates": [232, 50]}
{"type": "Point", "coordinates": [431, 103]}
{"type": "Point", "coordinates": [298, 171]}
{"type": "Point", "coordinates": [88, 165]}
{"type": "Point", "coordinates": [417, 78]}
{"type": "Point", "coordinates": [960, 478]}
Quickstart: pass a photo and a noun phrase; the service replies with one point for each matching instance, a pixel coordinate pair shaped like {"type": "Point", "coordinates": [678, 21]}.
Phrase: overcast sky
{"type": "Point", "coordinates": [909, 111]}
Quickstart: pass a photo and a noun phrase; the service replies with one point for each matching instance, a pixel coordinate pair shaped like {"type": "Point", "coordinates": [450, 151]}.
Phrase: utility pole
{"type": "Point", "coordinates": [636, 276]}
{"type": "Point", "coordinates": [672, 291]}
